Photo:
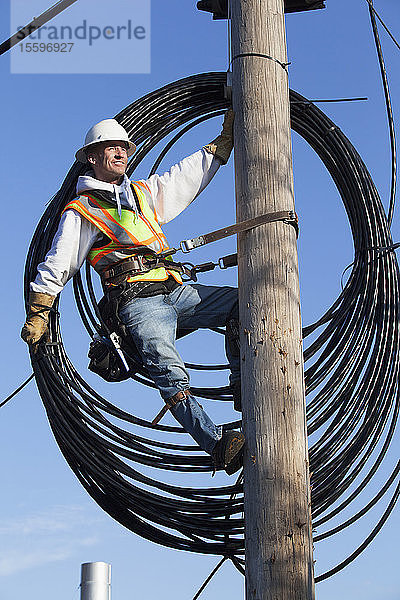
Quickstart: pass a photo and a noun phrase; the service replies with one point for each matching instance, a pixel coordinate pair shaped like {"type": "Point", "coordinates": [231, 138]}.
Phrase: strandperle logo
{"type": "Point", "coordinates": [84, 31]}
{"type": "Point", "coordinates": [91, 37]}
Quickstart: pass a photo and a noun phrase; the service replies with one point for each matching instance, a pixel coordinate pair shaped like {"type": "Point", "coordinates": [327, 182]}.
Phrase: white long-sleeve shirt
{"type": "Point", "coordinates": [171, 193]}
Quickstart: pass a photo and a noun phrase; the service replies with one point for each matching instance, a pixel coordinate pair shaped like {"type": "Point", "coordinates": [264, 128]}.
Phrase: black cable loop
{"type": "Point", "coordinates": [352, 364]}
{"type": "Point", "coordinates": [389, 111]}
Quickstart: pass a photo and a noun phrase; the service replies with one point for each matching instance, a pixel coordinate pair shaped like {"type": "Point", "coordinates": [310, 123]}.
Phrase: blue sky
{"type": "Point", "coordinates": [49, 525]}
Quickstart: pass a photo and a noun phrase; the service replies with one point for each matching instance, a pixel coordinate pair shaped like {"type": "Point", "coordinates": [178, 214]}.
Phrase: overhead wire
{"type": "Point", "coordinates": [371, 5]}
{"type": "Point", "coordinates": [16, 391]}
{"type": "Point", "coordinates": [35, 24]}
{"type": "Point", "coordinates": [389, 111]}
{"type": "Point", "coordinates": [327, 100]}
{"type": "Point", "coordinates": [210, 576]}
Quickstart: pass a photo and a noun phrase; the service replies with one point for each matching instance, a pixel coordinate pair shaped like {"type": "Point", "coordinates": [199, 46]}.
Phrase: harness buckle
{"type": "Point", "coordinates": [293, 220]}
{"type": "Point", "coordinates": [142, 263]}
{"type": "Point", "coordinates": [188, 245]}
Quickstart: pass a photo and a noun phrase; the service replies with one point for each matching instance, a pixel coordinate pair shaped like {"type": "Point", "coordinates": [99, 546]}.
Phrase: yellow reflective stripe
{"type": "Point", "coordinates": [145, 208]}
{"type": "Point", "coordinates": [108, 214]}
{"type": "Point", "coordinates": [146, 187]}
{"type": "Point", "coordinates": [175, 275]}
{"type": "Point", "coordinates": [145, 224]}
{"type": "Point", "coordinates": [148, 218]}
{"type": "Point", "coordinates": [97, 254]}
{"type": "Point", "coordinates": [76, 205]}
{"type": "Point", "coordinates": [157, 236]}
{"type": "Point", "coordinates": [160, 274]}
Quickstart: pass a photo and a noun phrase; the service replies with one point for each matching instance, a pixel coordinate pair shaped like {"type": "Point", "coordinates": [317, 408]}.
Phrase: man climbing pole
{"type": "Point", "coordinates": [115, 224]}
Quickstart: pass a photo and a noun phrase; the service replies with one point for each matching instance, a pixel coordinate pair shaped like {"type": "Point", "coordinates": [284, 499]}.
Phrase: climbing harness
{"type": "Point", "coordinates": [109, 352]}
{"type": "Point", "coordinates": [125, 233]}
{"type": "Point", "coordinates": [137, 265]}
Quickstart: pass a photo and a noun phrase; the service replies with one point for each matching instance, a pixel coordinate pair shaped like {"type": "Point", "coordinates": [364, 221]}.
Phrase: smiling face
{"type": "Point", "coordinates": [109, 161]}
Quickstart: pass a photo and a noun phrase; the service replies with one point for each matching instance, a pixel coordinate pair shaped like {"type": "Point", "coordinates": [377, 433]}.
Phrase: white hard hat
{"type": "Point", "coordinates": [105, 131]}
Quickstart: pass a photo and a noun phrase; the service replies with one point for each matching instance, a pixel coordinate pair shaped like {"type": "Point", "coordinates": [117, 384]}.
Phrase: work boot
{"type": "Point", "coordinates": [228, 452]}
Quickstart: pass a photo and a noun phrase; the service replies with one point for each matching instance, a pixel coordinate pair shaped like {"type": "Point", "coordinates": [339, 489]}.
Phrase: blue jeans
{"type": "Point", "coordinates": [153, 322]}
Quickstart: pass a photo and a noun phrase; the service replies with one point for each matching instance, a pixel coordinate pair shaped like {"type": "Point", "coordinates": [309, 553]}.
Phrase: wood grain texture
{"type": "Point", "coordinates": [279, 564]}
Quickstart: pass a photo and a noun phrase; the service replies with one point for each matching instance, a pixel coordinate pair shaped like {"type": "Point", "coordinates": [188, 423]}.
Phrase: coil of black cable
{"type": "Point", "coordinates": [352, 366]}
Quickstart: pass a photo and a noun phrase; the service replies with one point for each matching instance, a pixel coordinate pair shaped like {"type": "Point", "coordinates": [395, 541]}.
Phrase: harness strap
{"type": "Point", "coordinates": [170, 403]}
{"type": "Point", "coordinates": [135, 265]}
{"type": "Point", "coordinates": [140, 263]}
{"type": "Point", "coordinates": [287, 216]}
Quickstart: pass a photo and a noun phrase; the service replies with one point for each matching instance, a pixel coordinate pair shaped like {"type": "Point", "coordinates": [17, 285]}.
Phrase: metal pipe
{"type": "Point", "coordinates": [95, 581]}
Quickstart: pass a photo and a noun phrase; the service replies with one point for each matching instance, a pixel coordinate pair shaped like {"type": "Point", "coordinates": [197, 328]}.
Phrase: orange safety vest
{"type": "Point", "coordinates": [124, 234]}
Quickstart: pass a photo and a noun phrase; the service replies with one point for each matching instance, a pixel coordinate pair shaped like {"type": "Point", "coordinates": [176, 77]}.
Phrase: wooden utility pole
{"type": "Point", "coordinates": [279, 564]}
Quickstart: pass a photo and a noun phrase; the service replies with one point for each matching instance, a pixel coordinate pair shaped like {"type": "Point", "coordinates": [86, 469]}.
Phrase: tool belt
{"type": "Point", "coordinates": [104, 361]}
{"type": "Point", "coordinates": [138, 264]}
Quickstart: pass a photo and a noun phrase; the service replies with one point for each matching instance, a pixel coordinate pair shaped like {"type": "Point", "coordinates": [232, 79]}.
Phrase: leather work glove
{"type": "Point", "coordinates": [37, 318]}
{"type": "Point", "coordinates": [222, 146]}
